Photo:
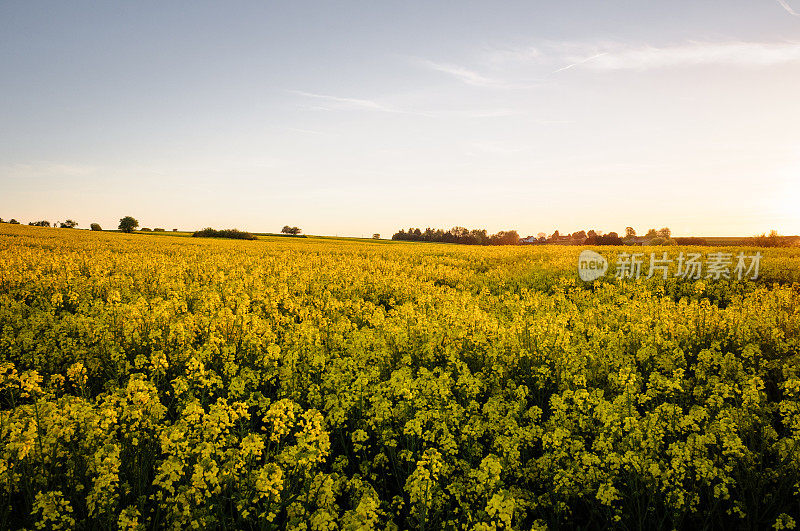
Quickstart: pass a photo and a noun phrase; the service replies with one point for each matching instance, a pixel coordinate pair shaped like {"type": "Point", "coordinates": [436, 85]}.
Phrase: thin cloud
{"type": "Point", "coordinates": [465, 75]}
{"type": "Point", "coordinates": [784, 4]}
{"type": "Point", "coordinates": [342, 103]}
{"type": "Point", "coordinates": [741, 54]}
{"type": "Point", "coordinates": [578, 63]}
{"type": "Point", "coordinates": [352, 103]}
{"type": "Point", "coordinates": [511, 55]}
{"type": "Point", "coordinates": [471, 77]}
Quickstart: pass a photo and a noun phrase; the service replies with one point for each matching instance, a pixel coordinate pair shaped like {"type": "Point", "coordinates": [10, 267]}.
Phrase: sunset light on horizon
{"type": "Point", "coordinates": [356, 118]}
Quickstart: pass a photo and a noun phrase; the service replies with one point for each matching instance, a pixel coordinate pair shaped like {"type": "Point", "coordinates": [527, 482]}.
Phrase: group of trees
{"type": "Point", "coordinates": [773, 239]}
{"type": "Point", "coordinates": [458, 235]}
{"type": "Point", "coordinates": [511, 237]}
{"type": "Point", "coordinates": [292, 231]}
{"type": "Point", "coordinates": [128, 224]}
{"type": "Point", "coordinates": [224, 233]}
{"type": "Point", "coordinates": [69, 224]}
{"type": "Point", "coordinates": [593, 237]}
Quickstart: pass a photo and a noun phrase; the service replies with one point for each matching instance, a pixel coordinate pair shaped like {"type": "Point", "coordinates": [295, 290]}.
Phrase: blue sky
{"type": "Point", "coordinates": [361, 117]}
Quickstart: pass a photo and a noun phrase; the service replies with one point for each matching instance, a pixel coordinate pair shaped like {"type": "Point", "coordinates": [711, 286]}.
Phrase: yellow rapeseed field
{"type": "Point", "coordinates": [152, 382]}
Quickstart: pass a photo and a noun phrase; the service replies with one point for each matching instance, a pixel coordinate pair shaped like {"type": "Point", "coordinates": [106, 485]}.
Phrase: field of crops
{"type": "Point", "coordinates": [171, 382]}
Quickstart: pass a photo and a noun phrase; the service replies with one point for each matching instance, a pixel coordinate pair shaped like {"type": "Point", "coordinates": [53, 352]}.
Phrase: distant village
{"type": "Point", "coordinates": [662, 236]}
{"type": "Point", "coordinates": [465, 236]}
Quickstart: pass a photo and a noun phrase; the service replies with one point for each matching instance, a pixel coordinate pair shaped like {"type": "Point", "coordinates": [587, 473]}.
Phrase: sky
{"type": "Point", "coordinates": [354, 118]}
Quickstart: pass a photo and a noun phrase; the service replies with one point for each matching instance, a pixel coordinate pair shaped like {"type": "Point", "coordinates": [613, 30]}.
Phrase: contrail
{"type": "Point", "coordinates": [581, 62]}
{"type": "Point", "coordinates": [788, 8]}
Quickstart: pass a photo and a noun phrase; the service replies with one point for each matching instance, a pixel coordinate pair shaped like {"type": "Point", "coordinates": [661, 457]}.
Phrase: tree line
{"type": "Point", "coordinates": [466, 236]}
{"type": "Point", "coordinates": [460, 235]}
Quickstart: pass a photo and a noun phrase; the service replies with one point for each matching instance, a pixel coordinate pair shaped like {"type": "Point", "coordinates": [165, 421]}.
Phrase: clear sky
{"type": "Point", "coordinates": [352, 118]}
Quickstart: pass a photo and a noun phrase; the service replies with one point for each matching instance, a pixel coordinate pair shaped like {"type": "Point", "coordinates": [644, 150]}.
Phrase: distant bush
{"type": "Point", "coordinates": [691, 241]}
{"type": "Point", "coordinates": [13, 221]}
{"type": "Point", "coordinates": [158, 229]}
{"type": "Point", "coordinates": [174, 230]}
{"type": "Point", "coordinates": [95, 226]}
{"type": "Point", "coordinates": [225, 233]}
{"type": "Point", "coordinates": [39, 223]}
{"type": "Point", "coordinates": [145, 229]}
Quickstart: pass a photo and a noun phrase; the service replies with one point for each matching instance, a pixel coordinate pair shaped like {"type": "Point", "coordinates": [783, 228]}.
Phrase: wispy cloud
{"type": "Point", "coordinates": [784, 4]}
{"type": "Point", "coordinates": [559, 56]}
{"type": "Point", "coordinates": [348, 103]}
{"type": "Point", "coordinates": [471, 76]}
{"type": "Point", "coordinates": [578, 63]}
{"type": "Point", "coordinates": [465, 75]}
{"type": "Point", "coordinates": [740, 54]}
{"type": "Point", "coordinates": [338, 103]}
{"type": "Point", "coordinates": [503, 55]}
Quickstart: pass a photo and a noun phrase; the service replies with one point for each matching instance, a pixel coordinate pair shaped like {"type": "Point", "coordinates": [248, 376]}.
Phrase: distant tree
{"type": "Point", "coordinates": [376, 236]}
{"type": "Point", "coordinates": [664, 232]}
{"type": "Point", "coordinates": [145, 229]}
{"type": "Point", "coordinates": [158, 229]}
{"type": "Point", "coordinates": [478, 237]}
{"type": "Point", "coordinates": [294, 231]}
{"type": "Point", "coordinates": [1, 220]}
{"type": "Point", "coordinates": [554, 236]}
{"type": "Point", "coordinates": [579, 236]}
{"type": "Point", "coordinates": [510, 237]}
{"type": "Point", "coordinates": [69, 224]}
{"type": "Point", "coordinates": [630, 232]}
{"type": "Point", "coordinates": [39, 223]}
{"type": "Point", "coordinates": [652, 233]}
{"type": "Point", "coordinates": [95, 226]}
{"type": "Point", "coordinates": [13, 221]}
{"type": "Point", "coordinates": [612, 238]}
{"type": "Point", "coordinates": [128, 224]}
